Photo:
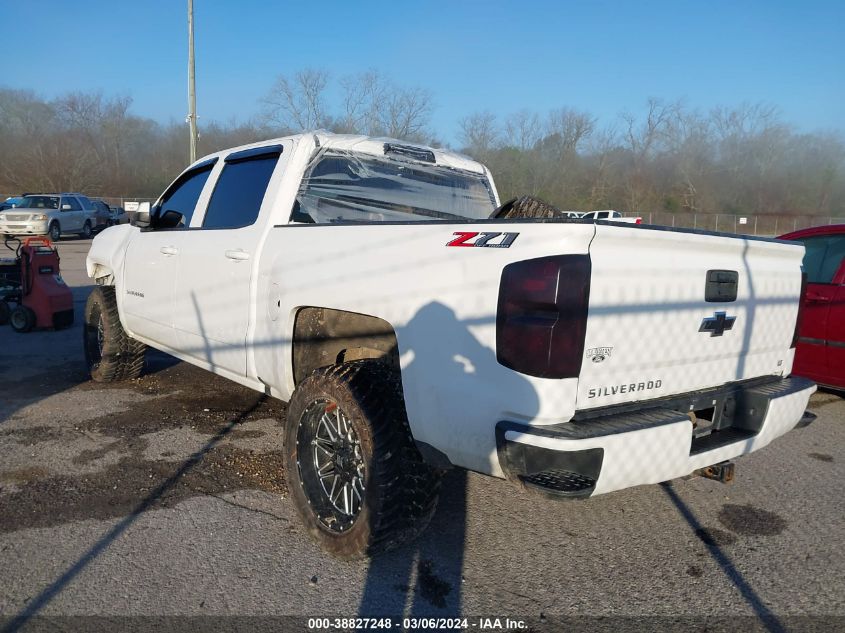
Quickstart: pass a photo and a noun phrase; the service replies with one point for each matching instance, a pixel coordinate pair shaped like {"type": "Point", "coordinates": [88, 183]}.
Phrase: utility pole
{"type": "Point", "coordinates": [192, 88]}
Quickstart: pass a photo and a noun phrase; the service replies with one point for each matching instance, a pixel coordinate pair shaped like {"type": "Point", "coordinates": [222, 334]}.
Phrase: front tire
{"type": "Point", "coordinates": [110, 353]}
{"type": "Point", "coordinates": [356, 477]}
{"type": "Point", "coordinates": [55, 232]}
{"type": "Point", "coordinates": [22, 319]}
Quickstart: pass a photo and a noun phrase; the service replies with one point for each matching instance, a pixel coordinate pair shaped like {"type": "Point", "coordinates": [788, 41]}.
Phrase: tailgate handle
{"type": "Point", "coordinates": [721, 286]}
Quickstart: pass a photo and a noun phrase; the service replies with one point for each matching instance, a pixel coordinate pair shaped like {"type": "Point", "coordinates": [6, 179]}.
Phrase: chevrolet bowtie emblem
{"type": "Point", "coordinates": [717, 324]}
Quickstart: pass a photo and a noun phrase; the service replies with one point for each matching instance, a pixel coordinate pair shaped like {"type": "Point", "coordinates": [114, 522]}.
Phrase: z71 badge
{"type": "Point", "coordinates": [488, 240]}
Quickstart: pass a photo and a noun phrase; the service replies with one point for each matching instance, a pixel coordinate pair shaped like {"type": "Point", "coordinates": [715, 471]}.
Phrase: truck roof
{"type": "Point", "coordinates": [362, 143]}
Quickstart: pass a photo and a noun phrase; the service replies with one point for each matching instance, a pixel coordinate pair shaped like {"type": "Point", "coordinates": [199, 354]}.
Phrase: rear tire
{"type": "Point", "coordinates": [55, 232]}
{"type": "Point", "coordinates": [87, 232]}
{"type": "Point", "coordinates": [110, 353]}
{"type": "Point", "coordinates": [22, 319]}
{"type": "Point", "coordinates": [392, 493]}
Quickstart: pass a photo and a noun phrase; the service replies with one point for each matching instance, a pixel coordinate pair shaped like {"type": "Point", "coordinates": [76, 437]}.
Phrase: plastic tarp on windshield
{"type": "Point", "coordinates": [344, 186]}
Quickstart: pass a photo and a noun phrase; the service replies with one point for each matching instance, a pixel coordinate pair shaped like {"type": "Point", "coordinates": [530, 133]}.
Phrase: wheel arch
{"type": "Point", "coordinates": [101, 273]}
{"type": "Point", "coordinates": [327, 336]}
{"type": "Point", "coordinates": [106, 256]}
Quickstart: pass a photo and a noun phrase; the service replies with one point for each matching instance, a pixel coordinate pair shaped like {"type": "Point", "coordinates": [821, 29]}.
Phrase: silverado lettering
{"type": "Point", "coordinates": [628, 388]}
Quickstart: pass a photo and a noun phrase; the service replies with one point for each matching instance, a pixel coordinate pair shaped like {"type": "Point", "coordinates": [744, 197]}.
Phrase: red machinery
{"type": "Point", "coordinates": [32, 281]}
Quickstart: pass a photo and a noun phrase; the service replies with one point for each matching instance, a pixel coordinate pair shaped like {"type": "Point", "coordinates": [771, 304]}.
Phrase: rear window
{"type": "Point", "coordinates": [239, 192]}
{"type": "Point", "coordinates": [823, 257]}
{"type": "Point", "coordinates": [72, 202]}
{"type": "Point", "coordinates": [357, 187]}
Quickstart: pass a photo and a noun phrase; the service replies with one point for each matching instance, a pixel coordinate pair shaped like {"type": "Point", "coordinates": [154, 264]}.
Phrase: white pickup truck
{"type": "Point", "coordinates": [614, 216]}
{"type": "Point", "coordinates": [362, 280]}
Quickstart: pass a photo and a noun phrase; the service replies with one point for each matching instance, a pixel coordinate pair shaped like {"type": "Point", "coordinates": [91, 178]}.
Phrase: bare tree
{"type": "Point", "coordinates": [374, 105]}
{"type": "Point", "coordinates": [523, 130]}
{"type": "Point", "coordinates": [600, 151]}
{"type": "Point", "coordinates": [689, 159]}
{"type": "Point", "coordinates": [298, 102]}
{"type": "Point", "coordinates": [407, 112]}
{"type": "Point", "coordinates": [479, 133]}
{"type": "Point", "coordinates": [566, 129]}
{"type": "Point", "coordinates": [643, 139]}
{"type": "Point", "coordinates": [364, 97]}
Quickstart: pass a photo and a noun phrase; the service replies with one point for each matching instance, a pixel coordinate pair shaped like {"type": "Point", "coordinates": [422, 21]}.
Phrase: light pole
{"type": "Point", "coordinates": [192, 88]}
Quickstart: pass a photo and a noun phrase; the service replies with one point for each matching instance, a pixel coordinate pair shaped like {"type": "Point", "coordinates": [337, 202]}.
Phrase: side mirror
{"type": "Point", "coordinates": [141, 217]}
{"type": "Point", "coordinates": [170, 219]}
{"type": "Point", "coordinates": [65, 207]}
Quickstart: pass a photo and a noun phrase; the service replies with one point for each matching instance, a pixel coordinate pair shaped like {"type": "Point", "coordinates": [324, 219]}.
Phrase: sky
{"type": "Point", "coordinates": [600, 56]}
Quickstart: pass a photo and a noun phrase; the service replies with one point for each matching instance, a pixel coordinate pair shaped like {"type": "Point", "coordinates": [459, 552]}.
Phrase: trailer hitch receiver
{"type": "Point", "coordinates": [723, 471]}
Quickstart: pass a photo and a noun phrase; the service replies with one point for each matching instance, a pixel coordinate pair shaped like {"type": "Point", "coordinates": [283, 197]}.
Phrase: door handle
{"type": "Point", "coordinates": [238, 255]}
{"type": "Point", "coordinates": [812, 297]}
{"type": "Point", "coordinates": [169, 250]}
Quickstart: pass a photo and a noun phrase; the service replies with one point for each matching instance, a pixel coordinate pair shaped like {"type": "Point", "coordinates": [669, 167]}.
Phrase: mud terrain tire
{"type": "Point", "coordinates": [110, 353]}
{"type": "Point", "coordinates": [399, 489]}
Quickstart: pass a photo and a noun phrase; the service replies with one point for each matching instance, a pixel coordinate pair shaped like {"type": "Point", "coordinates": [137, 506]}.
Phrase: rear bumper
{"type": "Point", "coordinates": [621, 450]}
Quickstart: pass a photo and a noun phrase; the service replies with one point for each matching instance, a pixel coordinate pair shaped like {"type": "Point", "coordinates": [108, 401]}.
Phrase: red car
{"type": "Point", "coordinates": [820, 352]}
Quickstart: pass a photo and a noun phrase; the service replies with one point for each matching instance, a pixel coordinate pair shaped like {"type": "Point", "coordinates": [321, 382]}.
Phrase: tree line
{"type": "Point", "coordinates": [670, 157]}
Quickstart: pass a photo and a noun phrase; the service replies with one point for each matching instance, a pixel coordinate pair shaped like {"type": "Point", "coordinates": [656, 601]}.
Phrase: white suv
{"type": "Point", "coordinates": [52, 214]}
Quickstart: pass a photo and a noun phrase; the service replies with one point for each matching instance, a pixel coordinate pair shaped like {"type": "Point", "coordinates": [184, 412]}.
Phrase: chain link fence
{"type": "Point", "coordinates": [764, 225]}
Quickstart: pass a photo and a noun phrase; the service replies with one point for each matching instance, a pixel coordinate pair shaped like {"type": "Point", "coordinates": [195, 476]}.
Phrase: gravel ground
{"type": "Point", "coordinates": [166, 496]}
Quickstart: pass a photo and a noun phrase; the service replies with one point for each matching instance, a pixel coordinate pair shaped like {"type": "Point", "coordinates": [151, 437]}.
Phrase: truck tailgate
{"type": "Point", "coordinates": [651, 331]}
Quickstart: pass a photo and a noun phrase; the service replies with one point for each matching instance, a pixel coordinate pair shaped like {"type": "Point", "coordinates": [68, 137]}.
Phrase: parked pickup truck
{"type": "Point", "coordinates": [613, 216]}
{"type": "Point", "coordinates": [362, 280]}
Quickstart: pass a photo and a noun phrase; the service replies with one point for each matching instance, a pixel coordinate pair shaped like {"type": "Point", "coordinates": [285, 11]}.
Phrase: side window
{"type": "Point", "coordinates": [185, 192]}
{"type": "Point", "coordinates": [240, 189]}
{"type": "Point", "coordinates": [74, 205]}
{"type": "Point", "coordinates": [823, 257]}
{"type": "Point", "coordinates": [86, 203]}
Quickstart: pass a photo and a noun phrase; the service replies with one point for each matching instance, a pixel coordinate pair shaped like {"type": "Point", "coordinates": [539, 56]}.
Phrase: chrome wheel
{"type": "Point", "coordinates": [331, 464]}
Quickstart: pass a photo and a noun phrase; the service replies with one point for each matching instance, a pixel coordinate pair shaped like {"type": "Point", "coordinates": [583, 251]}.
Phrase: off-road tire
{"type": "Point", "coordinates": [120, 357]}
{"type": "Point", "coordinates": [401, 490]}
{"type": "Point", "coordinates": [87, 231]}
{"type": "Point", "coordinates": [55, 232]}
{"type": "Point", "coordinates": [5, 311]}
{"type": "Point", "coordinates": [526, 207]}
{"type": "Point", "coordinates": [22, 319]}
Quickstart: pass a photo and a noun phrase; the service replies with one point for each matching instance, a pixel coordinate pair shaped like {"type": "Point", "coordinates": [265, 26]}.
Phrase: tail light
{"type": "Point", "coordinates": [800, 309]}
{"type": "Point", "coordinates": [639, 221]}
{"type": "Point", "coordinates": [541, 320]}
